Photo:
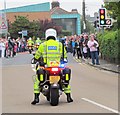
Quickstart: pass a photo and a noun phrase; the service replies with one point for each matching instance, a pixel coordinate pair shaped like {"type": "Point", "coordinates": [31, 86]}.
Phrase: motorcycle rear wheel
{"type": "Point", "coordinates": [54, 96]}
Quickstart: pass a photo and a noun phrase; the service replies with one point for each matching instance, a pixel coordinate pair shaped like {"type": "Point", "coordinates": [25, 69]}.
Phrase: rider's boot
{"type": "Point", "coordinates": [36, 99]}
{"type": "Point", "coordinates": [69, 98]}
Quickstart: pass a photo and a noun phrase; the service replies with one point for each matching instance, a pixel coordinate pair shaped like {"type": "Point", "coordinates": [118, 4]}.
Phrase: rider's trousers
{"type": "Point", "coordinates": [39, 77]}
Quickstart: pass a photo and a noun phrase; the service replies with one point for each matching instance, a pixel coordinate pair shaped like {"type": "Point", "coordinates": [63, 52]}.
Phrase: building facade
{"type": "Point", "coordinates": [67, 20]}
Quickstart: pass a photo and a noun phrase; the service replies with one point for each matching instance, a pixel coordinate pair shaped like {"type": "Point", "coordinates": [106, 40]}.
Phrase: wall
{"type": "Point", "coordinates": [31, 15]}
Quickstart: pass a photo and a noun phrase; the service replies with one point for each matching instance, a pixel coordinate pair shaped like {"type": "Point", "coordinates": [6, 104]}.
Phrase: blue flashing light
{"type": "Point", "coordinates": [62, 65]}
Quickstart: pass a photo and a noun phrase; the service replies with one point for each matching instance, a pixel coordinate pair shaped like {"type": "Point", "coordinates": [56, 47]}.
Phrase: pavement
{"type": "Point", "coordinates": [93, 90]}
{"type": "Point", "coordinates": [104, 65]}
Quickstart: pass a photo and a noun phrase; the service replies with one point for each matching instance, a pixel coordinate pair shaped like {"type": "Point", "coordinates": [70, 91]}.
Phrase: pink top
{"type": "Point", "coordinates": [91, 45]}
{"type": "Point", "coordinates": [15, 48]}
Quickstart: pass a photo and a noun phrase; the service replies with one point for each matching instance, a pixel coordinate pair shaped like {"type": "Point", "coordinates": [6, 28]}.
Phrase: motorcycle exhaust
{"type": "Point", "coordinates": [45, 87]}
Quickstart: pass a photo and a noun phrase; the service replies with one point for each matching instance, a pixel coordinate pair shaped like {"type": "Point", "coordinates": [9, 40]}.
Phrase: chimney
{"type": "Point", "coordinates": [55, 4]}
{"type": "Point", "coordinates": [74, 11]}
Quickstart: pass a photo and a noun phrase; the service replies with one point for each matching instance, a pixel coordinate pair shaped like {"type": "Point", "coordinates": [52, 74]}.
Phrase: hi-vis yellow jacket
{"type": "Point", "coordinates": [51, 51]}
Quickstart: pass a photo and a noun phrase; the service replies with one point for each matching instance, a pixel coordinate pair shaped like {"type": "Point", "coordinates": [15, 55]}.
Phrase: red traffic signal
{"type": "Point", "coordinates": [102, 11]}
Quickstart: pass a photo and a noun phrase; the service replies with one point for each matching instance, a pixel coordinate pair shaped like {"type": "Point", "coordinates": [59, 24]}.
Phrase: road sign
{"type": "Point", "coordinates": [108, 22]}
{"type": "Point", "coordinates": [24, 32]}
{"type": "Point", "coordinates": [3, 26]}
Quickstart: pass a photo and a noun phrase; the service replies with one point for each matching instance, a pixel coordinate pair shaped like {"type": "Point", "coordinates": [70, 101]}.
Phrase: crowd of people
{"type": "Point", "coordinates": [83, 46]}
{"type": "Point", "coordinates": [10, 46]}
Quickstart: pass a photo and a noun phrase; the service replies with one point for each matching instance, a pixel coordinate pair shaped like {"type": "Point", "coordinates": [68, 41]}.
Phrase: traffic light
{"type": "Point", "coordinates": [103, 20]}
{"type": "Point", "coordinates": [97, 21]}
{"type": "Point", "coordinates": [95, 24]}
{"type": "Point", "coordinates": [102, 16]}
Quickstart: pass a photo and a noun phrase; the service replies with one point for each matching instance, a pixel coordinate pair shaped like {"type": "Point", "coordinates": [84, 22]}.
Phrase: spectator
{"type": "Point", "coordinates": [66, 44]}
{"type": "Point", "coordinates": [10, 47]}
{"type": "Point", "coordinates": [85, 50]}
{"type": "Point", "coordinates": [81, 43]}
{"type": "Point", "coordinates": [23, 46]}
{"type": "Point", "coordinates": [93, 44]}
{"type": "Point", "coordinates": [86, 39]}
{"type": "Point", "coordinates": [0, 47]}
{"type": "Point", "coordinates": [15, 49]}
{"type": "Point", "coordinates": [6, 47]}
{"type": "Point", "coordinates": [97, 47]}
{"type": "Point", "coordinates": [78, 50]}
{"type": "Point", "coordinates": [73, 47]}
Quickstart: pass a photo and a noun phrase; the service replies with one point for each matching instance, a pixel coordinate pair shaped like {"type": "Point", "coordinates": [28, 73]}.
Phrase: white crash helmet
{"type": "Point", "coordinates": [30, 38]}
{"type": "Point", "coordinates": [50, 32]}
{"type": "Point", "coordinates": [38, 38]}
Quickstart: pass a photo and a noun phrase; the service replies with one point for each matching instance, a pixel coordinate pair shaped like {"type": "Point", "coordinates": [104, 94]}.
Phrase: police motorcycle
{"type": "Point", "coordinates": [30, 47]}
{"type": "Point", "coordinates": [51, 84]}
{"type": "Point", "coordinates": [37, 46]}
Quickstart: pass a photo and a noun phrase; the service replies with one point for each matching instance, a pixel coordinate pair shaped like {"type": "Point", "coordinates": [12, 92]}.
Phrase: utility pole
{"type": "Point", "coordinates": [84, 19]}
{"type": "Point", "coordinates": [5, 18]}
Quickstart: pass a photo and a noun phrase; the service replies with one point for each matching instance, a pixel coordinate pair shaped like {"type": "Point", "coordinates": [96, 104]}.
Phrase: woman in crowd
{"type": "Point", "coordinates": [93, 45]}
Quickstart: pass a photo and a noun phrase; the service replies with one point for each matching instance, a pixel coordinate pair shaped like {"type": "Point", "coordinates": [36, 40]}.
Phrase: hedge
{"type": "Point", "coordinates": [109, 45]}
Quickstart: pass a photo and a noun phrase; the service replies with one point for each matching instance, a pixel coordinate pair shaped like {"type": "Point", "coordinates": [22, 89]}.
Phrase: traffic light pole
{"type": "Point", "coordinates": [102, 30]}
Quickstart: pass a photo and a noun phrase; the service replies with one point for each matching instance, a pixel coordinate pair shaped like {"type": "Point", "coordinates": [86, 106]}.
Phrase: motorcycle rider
{"type": "Point", "coordinates": [30, 42]}
{"type": "Point", "coordinates": [50, 50]}
{"type": "Point", "coordinates": [38, 41]}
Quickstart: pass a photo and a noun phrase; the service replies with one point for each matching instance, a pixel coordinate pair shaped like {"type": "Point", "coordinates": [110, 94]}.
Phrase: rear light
{"type": "Point", "coordinates": [54, 69]}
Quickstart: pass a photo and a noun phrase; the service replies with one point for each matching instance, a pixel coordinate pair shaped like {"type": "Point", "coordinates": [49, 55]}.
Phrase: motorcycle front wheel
{"type": "Point", "coordinates": [30, 51]}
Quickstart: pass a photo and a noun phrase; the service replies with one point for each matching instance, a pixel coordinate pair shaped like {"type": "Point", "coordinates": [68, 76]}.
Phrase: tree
{"type": "Point", "coordinates": [45, 24]}
{"type": "Point", "coordinates": [22, 23]}
{"type": "Point", "coordinates": [114, 10]}
{"type": "Point", "coordinates": [34, 28]}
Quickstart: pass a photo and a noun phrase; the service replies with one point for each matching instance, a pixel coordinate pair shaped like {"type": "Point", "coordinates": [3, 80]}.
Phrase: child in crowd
{"type": "Point", "coordinates": [84, 51]}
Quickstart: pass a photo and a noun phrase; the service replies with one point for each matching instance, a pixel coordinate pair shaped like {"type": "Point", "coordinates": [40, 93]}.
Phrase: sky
{"type": "Point", "coordinates": [91, 5]}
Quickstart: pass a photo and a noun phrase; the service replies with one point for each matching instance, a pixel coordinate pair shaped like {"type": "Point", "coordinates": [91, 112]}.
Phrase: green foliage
{"type": "Point", "coordinates": [21, 23]}
{"type": "Point", "coordinates": [109, 45]}
{"type": "Point", "coordinates": [34, 28]}
{"type": "Point", "coordinates": [114, 10]}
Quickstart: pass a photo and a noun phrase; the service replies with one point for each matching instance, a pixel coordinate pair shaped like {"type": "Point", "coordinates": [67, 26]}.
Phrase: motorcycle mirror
{"type": "Point", "coordinates": [32, 61]}
{"type": "Point", "coordinates": [65, 61]}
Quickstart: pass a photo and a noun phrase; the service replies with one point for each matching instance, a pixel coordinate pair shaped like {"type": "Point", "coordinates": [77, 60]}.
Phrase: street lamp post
{"type": "Point", "coordinates": [84, 19]}
{"type": "Point", "coordinates": [5, 18]}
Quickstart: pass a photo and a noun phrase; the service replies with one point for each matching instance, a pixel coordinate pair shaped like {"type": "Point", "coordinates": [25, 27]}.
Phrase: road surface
{"type": "Point", "coordinates": [93, 90]}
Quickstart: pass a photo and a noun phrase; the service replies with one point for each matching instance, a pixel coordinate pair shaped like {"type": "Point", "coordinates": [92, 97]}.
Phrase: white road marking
{"type": "Point", "coordinates": [34, 70]}
{"type": "Point", "coordinates": [100, 105]}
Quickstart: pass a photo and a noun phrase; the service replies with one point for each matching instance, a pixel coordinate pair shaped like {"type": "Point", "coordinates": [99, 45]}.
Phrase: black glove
{"type": "Point", "coordinates": [34, 61]}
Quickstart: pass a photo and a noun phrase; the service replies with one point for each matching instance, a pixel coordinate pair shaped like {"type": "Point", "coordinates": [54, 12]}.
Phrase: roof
{"type": "Point", "coordinates": [58, 10]}
{"type": "Point", "coordinates": [43, 7]}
